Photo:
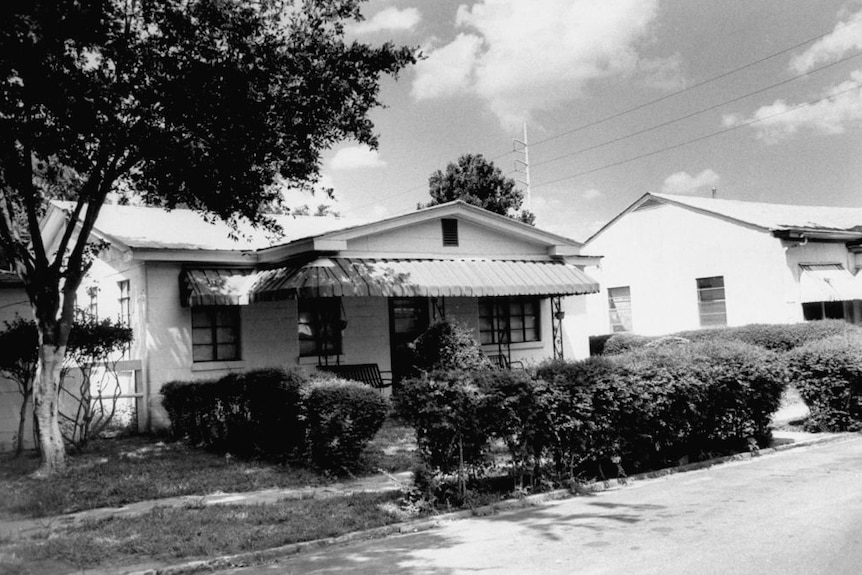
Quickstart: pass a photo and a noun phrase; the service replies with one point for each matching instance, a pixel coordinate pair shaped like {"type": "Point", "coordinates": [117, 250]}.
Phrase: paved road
{"type": "Point", "coordinates": [798, 511]}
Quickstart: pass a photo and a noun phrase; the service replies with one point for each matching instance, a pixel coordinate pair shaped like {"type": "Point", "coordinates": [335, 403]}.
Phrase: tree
{"type": "Point", "coordinates": [479, 182]}
{"type": "Point", "coordinates": [200, 103]}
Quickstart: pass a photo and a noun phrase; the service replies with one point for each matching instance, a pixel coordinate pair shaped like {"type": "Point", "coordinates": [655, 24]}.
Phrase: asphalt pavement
{"type": "Point", "coordinates": [792, 512]}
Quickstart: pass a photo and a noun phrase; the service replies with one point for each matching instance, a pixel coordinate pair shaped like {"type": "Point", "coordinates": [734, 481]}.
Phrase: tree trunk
{"type": "Point", "coordinates": [22, 421]}
{"type": "Point", "coordinates": [46, 403]}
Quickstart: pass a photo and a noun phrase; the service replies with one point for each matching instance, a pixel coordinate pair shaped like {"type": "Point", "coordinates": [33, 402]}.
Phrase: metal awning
{"type": "Point", "coordinates": [199, 287]}
{"type": "Point", "coordinates": [346, 277]}
{"type": "Point", "coordinates": [828, 282]}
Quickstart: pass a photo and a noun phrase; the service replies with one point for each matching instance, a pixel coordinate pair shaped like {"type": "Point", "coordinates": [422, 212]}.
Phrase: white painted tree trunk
{"type": "Point", "coordinates": [46, 404]}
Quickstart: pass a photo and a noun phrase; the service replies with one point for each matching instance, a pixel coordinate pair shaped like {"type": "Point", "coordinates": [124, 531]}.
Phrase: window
{"type": "Point", "coordinates": [824, 310]}
{"type": "Point", "coordinates": [711, 301]}
{"type": "Point", "coordinates": [215, 333]}
{"type": "Point", "coordinates": [125, 300]}
{"type": "Point", "coordinates": [93, 305]}
{"type": "Point", "coordinates": [620, 308]}
{"type": "Point", "coordinates": [450, 232]}
{"type": "Point", "coordinates": [508, 320]}
{"type": "Point", "coordinates": [320, 326]}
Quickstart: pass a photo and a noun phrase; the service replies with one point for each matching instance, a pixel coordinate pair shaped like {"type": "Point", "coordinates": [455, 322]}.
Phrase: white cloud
{"type": "Point", "coordinates": [447, 70]}
{"type": "Point", "coordinates": [389, 19]}
{"type": "Point", "coordinates": [840, 108]}
{"type": "Point", "coordinates": [355, 157]}
{"type": "Point", "coordinates": [526, 56]}
{"type": "Point", "coordinates": [846, 37]}
{"type": "Point", "coordinates": [685, 183]}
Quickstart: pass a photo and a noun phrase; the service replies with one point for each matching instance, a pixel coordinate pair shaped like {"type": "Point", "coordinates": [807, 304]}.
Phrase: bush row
{"type": "Point", "coordinates": [277, 413]}
{"type": "Point", "coordinates": [822, 359]}
{"type": "Point", "coordinates": [600, 416]}
{"type": "Point", "coordinates": [774, 337]}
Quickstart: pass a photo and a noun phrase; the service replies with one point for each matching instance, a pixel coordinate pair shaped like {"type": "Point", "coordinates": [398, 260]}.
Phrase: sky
{"type": "Point", "coordinates": [759, 99]}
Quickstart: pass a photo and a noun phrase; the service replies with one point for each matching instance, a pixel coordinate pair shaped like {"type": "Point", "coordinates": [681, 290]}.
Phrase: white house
{"type": "Point", "coordinates": [674, 263]}
{"type": "Point", "coordinates": [13, 302]}
{"type": "Point", "coordinates": [330, 291]}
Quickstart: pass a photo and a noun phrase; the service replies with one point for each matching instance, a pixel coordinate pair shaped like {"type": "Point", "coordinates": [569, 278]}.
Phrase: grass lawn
{"type": "Point", "coordinates": [120, 471]}
{"type": "Point", "coordinates": [175, 534]}
{"type": "Point", "coordinates": [115, 472]}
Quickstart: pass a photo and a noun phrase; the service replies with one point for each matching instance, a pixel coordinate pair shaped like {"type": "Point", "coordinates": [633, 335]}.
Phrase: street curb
{"type": "Point", "coordinates": [259, 557]}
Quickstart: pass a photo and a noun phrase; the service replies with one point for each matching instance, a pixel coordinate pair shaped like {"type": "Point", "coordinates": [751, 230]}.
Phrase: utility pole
{"type": "Point", "coordinates": [523, 166]}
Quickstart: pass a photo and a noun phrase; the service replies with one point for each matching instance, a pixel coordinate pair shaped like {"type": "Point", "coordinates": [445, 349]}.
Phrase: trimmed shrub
{"type": "Point", "coordinates": [516, 410]}
{"type": "Point", "coordinates": [624, 342]}
{"type": "Point", "coordinates": [342, 417]}
{"type": "Point", "coordinates": [447, 344]}
{"type": "Point", "coordinates": [446, 409]}
{"type": "Point", "coordinates": [257, 412]}
{"type": "Point", "coordinates": [828, 375]}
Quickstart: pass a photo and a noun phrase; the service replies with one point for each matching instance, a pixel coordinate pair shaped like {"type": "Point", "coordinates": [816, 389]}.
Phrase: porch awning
{"type": "Point", "coordinates": [828, 282]}
{"type": "Point", "coordinates": [346, 277]}
{"type": "Point", "coordinates": [199, 287]}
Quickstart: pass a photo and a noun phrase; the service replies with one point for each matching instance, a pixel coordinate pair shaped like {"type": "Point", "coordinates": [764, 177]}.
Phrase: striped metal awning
{"type": "Point", "coordinates": [347, 277]}
{"type": "Point", "coordinates": [200, 287]}
{"type": "Point", "coordinates": [828, 282]}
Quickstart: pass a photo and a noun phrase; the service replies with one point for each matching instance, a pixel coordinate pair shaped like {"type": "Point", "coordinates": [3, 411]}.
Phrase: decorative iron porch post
{"type": "Point", "coordinates": [557, 315]}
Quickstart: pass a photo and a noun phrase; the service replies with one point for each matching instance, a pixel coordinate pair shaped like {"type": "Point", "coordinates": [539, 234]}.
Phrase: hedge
{"type": "Point", "coordinates": [774, 337]}
{"type": "Point", "coordinates": [828, 375]}
{"type": "Point", "coordinates": [277, 413]}
{"type": "Point", "coordinates": [629, 412]}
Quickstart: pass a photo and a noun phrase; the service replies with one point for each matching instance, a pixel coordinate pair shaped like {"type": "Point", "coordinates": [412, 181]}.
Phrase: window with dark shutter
{"type": "Point", "coordinates": [450, 232]}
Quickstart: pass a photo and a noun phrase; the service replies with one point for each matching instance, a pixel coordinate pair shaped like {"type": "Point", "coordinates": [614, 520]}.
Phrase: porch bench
{"type": "Point", "coordinates": [367, 373]}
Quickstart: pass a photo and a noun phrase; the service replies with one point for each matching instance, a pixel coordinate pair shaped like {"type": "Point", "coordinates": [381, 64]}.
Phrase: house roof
{"type": "Point", "coordinates": [822, 220]}
{"type": "Point", "coordinates": [180, 229]}
{"type": "Point", "coordinates": [157, 229]}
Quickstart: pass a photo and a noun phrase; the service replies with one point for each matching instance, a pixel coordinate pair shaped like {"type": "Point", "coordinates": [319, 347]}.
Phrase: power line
{"type": "Point", "coordinates": [648, 103]}
{"type": "Point", "coordinates": [695, 113]}
{"type": "Point", "coordinates": [698, 139]}
{"type": "Point", "coordinates": [696, 85]}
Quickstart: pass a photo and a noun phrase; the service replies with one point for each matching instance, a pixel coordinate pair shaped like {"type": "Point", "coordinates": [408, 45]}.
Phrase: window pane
{"type": "Point", "coordinates": [202, 335]}
{"type": "Point", "coordinates": [712, 308]}
{"type": "Point", "coordinates": [227, 352]}
{"type": "Point", "coordinates": [713, 320]}
{"type": "Point", "coordinates": [319, 326]}
{"type": "Point", "coordinates": [713, 282]}
{"type": "Point", "coordinates": [202, 353]}
{"type": "Point", "coordinates": [225, 335]}
{"type": "Point", "coordinates": [712, 294]}
{"type": "Point", "coordinates": [200, 317]}
{"type": "Point", "coordinates": [531, 334]}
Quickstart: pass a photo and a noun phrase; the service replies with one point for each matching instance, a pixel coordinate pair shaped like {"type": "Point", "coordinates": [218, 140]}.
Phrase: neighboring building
{"type": "Point", "coordinates": [674, 263]}
{"type": "Point", "coordinates": [13, 302]}
{"type": "Point", "coordinates": [330, 291]}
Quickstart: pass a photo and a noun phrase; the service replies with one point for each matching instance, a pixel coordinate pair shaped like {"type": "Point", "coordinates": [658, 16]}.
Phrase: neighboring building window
{"type": "Point", "coordinates": [125, 301]}
{"type": "Point", "coordinates": [450, 232]}
{"type": "Point", "coordinates": [620, 308]}
{"type": "Point", "coordinates": [319, 325]}
{"type": "Point", "coordinates": [508, 320]}
{"type": "Point", "coordinates": [711, 301]}
{"type": "Point", "coordinates": [823, 310]}
{"type": "Point", "coordinates": [93, 304]}
{"type": "Point", "coordinates": [215, 333]}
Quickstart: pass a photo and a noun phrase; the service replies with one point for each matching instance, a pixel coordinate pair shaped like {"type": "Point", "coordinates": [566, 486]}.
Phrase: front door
{"type": "Point", "coordinates": [408, 319]}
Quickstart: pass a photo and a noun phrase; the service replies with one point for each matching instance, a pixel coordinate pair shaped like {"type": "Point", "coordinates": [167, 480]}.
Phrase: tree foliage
{"type": "Point", "coordinates": [199, 103]}
{"type": "Point", "coordinates": [478, 182]}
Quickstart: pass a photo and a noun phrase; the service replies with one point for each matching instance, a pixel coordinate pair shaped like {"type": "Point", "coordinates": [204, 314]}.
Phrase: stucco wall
{"type": "Point", "coordinates": [13, 301]}
{"type": "Point", "coordinates": [660, 251]}
{"type": "Point", "coordinates": [427, 238]}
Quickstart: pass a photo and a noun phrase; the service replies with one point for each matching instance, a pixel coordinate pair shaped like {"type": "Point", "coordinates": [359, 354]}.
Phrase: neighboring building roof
{"type": "Point", "coordinates": [766, 216]}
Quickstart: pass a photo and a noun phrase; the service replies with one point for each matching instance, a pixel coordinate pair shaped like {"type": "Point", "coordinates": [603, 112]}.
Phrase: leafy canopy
{"type": "Point", "coordinates": [478, 182]}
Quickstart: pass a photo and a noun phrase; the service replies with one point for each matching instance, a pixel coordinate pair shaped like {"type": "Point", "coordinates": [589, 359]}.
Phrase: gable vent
{"type": "Point", "coordinates": [450, 232]}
